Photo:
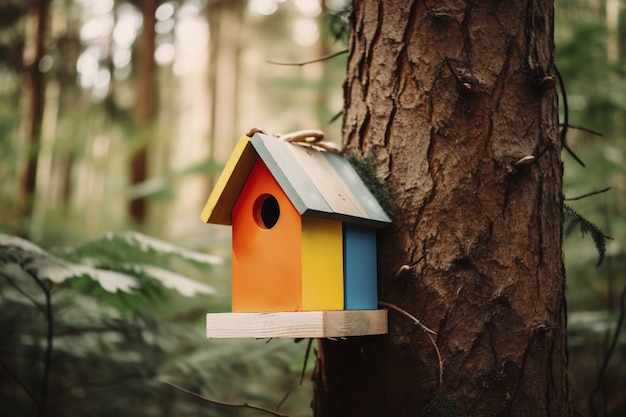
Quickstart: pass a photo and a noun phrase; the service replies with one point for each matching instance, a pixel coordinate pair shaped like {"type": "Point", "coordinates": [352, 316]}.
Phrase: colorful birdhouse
{"type": "Point", "coordinates": [303, 238]}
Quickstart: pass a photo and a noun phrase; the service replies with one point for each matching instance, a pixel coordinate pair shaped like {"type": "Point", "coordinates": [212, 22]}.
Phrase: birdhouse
{"type": "Point", "coordinates": [303, 243]}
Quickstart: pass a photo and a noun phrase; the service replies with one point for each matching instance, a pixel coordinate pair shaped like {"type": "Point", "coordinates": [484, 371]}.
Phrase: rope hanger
{"type": "Point", "coordinates": [310, 137]}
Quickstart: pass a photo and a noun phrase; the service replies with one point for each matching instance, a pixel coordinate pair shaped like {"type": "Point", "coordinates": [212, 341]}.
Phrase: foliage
{"type": "Point", "coordinates": [381, 190]}
{"type": "Point", "coordinates": [596, 98]}
{"type": "Point", "coordinates": [574, 220]}
{"type": "Point", "coordinates": [89, 350]}
{"type": "Point", "coordinates": [339, 22]}
{"type": "Point", "coordinates": [441, 405]}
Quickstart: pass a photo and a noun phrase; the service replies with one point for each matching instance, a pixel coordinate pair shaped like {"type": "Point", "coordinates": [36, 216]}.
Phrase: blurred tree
{"type": "Point", "coordinates": [33, 99]}
{"type": "Point", "coordinates": [146, 108]}
{"type": "Point", "coordinates": [590, 55]}
{"type": "Point", "coordinates": [456, 104]}
{"type": "Point", "coordinates": [225, 22]}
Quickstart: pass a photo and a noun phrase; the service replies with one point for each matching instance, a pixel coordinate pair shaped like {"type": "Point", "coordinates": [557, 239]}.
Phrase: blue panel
{"type": "Point", "coordinates": [359, 267]}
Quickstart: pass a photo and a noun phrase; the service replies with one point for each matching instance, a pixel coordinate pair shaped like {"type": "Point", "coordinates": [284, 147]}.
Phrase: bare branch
{"type": "Point", "coordinates": [306, 359]}
{"type": "Point", "coordinates": [300, 64]}
{"type": "Point", "coordinates": [565, 118]}
{"type": "Point", "coordinates": [609, 353]}
{"type": "Point", "coordinates": [225, 404]}
{"type": "Point", "coordinates": [585, 129]}
{"type": "Point", "coordinates": [428, 331]}
{"type": "Point", "coordinates": [282, 401]}
{"type": "Point", "coordinates": [19, 382]}
{"type": "Point", "coordinates": [409, 315]}
{"type": "Point", "coordinates": [45, 378]}
{"type": "Point", "coordinates": [580, 197]}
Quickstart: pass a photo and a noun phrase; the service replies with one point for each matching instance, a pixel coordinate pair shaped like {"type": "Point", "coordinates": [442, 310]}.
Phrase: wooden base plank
{"type": "Point", "coordinates": [296, 324]}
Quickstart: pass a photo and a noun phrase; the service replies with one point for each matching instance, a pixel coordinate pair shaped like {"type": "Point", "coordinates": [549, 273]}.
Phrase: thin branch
{"type": "Point", "coordinates": [306, 359]}
{"type": "Point", "coordinates": [428, 331]}
{"type": "Point", "coordinates": [406, 267]}
{"type": "Point", "coordinates": [282, 401]}
{"type": "Point", "coordinates": [409, 315]}
{"type": "Point", "coordinates": [585, 129]}
{"type": "Point", "coordinates": [463, 84]}
{"type": "Point", "coordinates": [565, 118]}
{"type": "Point", "coordinates": [47, 312]}
{"type": "Point", "coordinates": [225, 404]}
{"type": "Point", "coordinates": [609, 353]}
{"type": "Point", "coordinates": [18, 381]}
{"type": "Point", "coordinates": [24, 293]}
{"type": "Point", "coordinates": [580, 197]}
{"type": "Point", "coordinates": [43, 392]}
{"type": "Point", "coordinates": [336, 116]}
{"type": "Point", "coordinates": [300, 64]}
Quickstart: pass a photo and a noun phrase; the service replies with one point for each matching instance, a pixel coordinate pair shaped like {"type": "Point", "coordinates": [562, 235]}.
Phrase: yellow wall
{"type": "Point", "coordinates": [322, 264]}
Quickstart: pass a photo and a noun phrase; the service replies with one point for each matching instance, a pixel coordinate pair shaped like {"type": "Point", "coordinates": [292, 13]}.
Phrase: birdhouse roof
{"type": "Point", "coordinates": [317, 182]}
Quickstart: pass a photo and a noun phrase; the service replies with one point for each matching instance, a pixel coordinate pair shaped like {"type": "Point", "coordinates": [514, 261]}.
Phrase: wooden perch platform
{"type": "Point", "coordinates": [296, 324]}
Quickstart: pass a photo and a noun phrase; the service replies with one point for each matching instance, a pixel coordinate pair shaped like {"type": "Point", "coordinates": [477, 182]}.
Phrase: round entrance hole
{"type": "Point", "coordinates": [266, 211]}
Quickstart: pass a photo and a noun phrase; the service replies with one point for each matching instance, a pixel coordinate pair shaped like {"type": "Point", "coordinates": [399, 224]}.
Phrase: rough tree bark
{"type": "Point", "coordinates": [448, 97]}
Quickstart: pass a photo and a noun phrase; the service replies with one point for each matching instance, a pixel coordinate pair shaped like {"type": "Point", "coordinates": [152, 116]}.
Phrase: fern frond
{"type": "Point", "coordinates": [441, 405]}
{"type": "Point", "coordinates": [572, 220]}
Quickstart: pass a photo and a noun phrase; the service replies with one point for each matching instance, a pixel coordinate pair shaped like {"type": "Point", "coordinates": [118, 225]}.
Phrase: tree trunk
{"type": "Point", "coordinates": [449, 98]}
{"type": "Point", "coordinates": [225, 22]}
{"type": "Point", "coordinates": [32, 105]}
{"type": "Point", "coordinates": [146, 108]}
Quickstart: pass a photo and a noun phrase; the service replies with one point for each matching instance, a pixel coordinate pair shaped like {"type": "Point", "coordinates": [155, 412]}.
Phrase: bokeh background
{"type": "Point", "coordinates": [111, 137]}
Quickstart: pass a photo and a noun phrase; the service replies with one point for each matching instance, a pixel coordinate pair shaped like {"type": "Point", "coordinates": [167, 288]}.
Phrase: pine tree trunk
{"type": "Point", "coordinates": [448, 97]}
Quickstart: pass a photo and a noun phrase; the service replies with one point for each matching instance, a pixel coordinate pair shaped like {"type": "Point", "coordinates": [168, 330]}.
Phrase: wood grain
{"type": "Point", "coordinates": [297, 324]}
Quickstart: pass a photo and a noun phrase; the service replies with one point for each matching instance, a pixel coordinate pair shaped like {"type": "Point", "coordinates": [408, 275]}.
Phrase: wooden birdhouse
{"type": "Point", "coordinates": [303, 243]}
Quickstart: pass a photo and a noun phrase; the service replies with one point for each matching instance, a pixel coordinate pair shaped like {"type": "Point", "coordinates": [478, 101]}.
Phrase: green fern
{"type": "Point", "coordinates": [111, 361]}
{"type": "Point", "coordinates": [572, 220]}
{"type": "Point", "coordinates": [441, 405]}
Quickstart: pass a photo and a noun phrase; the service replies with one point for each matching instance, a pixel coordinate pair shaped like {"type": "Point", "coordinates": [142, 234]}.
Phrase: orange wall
{"type": "Point", "coordinates": [266, 262]}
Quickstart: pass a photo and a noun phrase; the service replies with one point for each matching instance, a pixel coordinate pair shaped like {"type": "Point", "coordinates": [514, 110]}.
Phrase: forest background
{"type": "Point", "coordinates": [128, 130]}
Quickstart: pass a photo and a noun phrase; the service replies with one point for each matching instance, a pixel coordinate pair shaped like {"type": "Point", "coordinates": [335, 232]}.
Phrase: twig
{"type": "Point", "coordinates": [43, 394]}
{"type": "Point", "coordinates": [609, 353]}
{"type": "Point", "coordinates": [24, 293]}
{"type": "Point", "coordinates": [47, 312]}
{"type": "Point", "coordinates": [580, 197]}
{"type": "Point", "coordinates": [18, 381]}
{"type": "Point", "coordinates": [225, 404]}
{"type": "Point", "coordinates": [300, 64]}
{"type": "Point", "coordinates": [565, 118]}
{"type": "Point", "coordinates": [409, 315]}
{"type": "Point", "coordinates": [406, 267]}
{"type": "Point", "coordinates": [336, 116]}
{"type": "Point", "coordinates": [463, 82]}
{"type": "Point", "coordinates": [282, 401]}
{"type": "Point", "coordinates": [428, 331]}
{"type": "Point", "coordinates": [306, 359]}
{"type": "Point", "coordinates": [585, 129]}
